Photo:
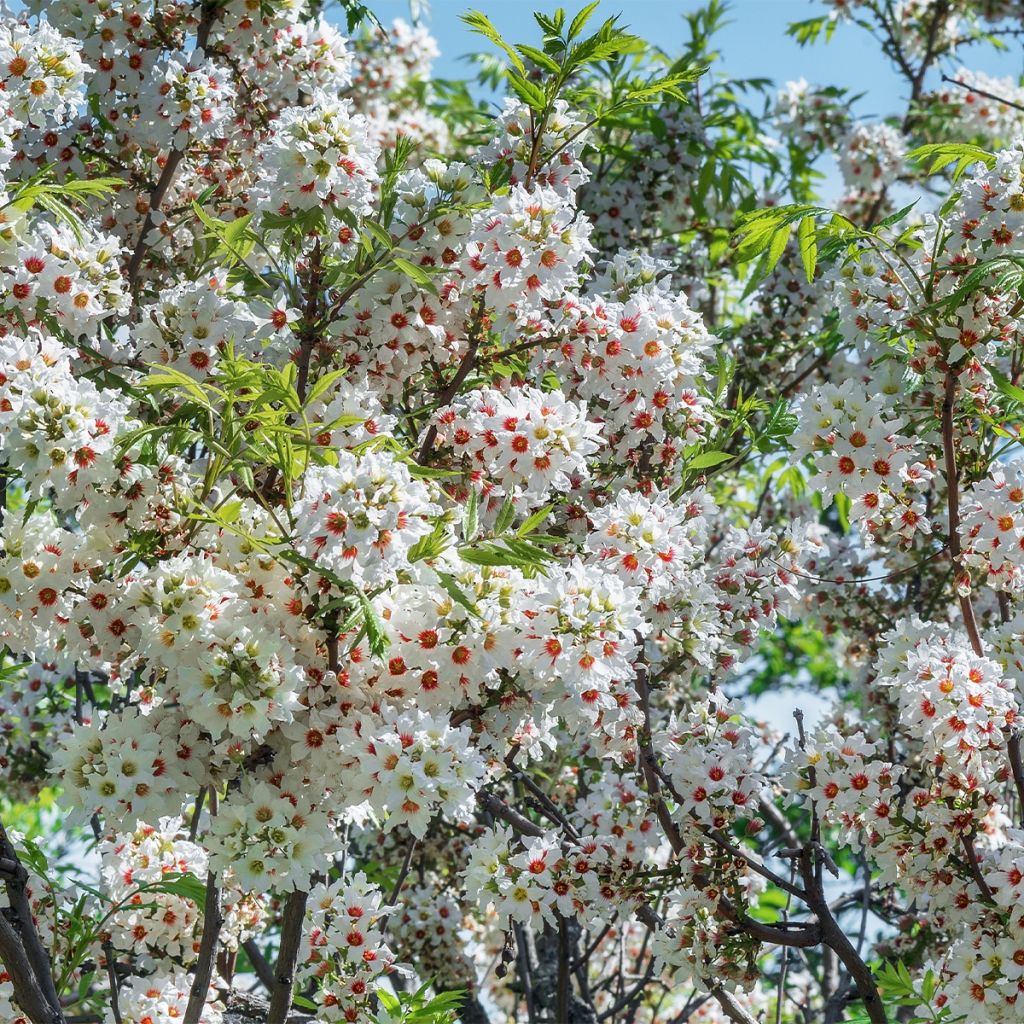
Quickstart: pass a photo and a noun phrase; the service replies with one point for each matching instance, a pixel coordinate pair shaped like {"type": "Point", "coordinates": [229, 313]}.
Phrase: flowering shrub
{"type": "Point", "coordinates": [405, 504]}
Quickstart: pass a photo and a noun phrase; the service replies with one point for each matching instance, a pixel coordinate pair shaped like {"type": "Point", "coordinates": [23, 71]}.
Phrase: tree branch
{"type": "Point", "coordinates": [284, 972]}
{"type": "Point", "coordinates": [21, 949]}
{"type": "Point", "coordinates": [213, 920]}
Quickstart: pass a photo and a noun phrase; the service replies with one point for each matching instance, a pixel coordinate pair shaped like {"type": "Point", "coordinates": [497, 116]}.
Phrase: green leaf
{"type": "Point", "coordinates": [942, 154]}
{"type": "Point", "coordinates": [481, 24]}
{"type": "Point", "coordinates": [415, 273]}
{"type": "Point", "coordinates": [390, 1002]}
{"type": "Point", "coordinates": [375, 635]}
{"type": "Point", "coordinates": [430, 472]}
{"type": "Point", "coordinates": [707, 459]}
{"type": "Point", "coordinates": [229, 511]}
{"type": "Point", "coordinates": [378, 233]}
{"type": "Point", "coordinates": [532, 95]}
{"type": "Point", "coordinates": [430, 546]}
{"type": "Point", "coordinates": [506, 514]}
{"type": "Point", "coordinates": [808, 31]}
{"type": "Point", "coordinates": [534, 521]}
{"type": "Point", "coordinates": [186, 885]}
{"type": "Point", "coordinates": [539, 57]}
{"type": "Point", "coordinates": [456, 593]}
{"type": "Point", "coordinates": [1006, 386]}
{"type": "Point", "coordinates": [470, 521]}
{"type": "Point", "coordinates": [807, 240]}
{"type": "Point", "coordinates": [895, 218]}
{"type": "Point", "coordinates": [321, 384]}
{"type": "Point", "coordinates": [778, 246]}
{"type": "Point", "coordinates": [581, 19]}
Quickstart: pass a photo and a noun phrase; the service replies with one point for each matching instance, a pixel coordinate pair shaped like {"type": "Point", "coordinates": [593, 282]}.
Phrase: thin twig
{"type": "Point", "coordinates": [465, 368]}
{"type": "Point", "coordinates": [982, 92]}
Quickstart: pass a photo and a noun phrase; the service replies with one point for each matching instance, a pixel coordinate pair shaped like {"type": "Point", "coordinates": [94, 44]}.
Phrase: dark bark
{"type": "Point", "coordinates": [288, 955]}
{"type": "Point", "coordinates": [245, 1008]}
{"type": "Point", "coordinates": [21, 950]}
{"type": "Point", "coordinates": [552, 985]}
{"type": "Point", "coordinates": [213, 920]}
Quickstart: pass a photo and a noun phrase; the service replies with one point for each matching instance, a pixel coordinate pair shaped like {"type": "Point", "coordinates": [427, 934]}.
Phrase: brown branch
{"type": "Point", "coordinates": [953, 500]}
{"type": "Point", "coordinates": [500, 809]}
{"type": "Point", "coordinates": [210, 12]}
{"type": "Point", "coordinates": [972, 861]}
{"type": "Point", "coordinates": [857, 580]}
{"type": "Point", "coordinates": [834, 936]}
{"type": "Point", "coordinates": [309, 333]}
{"type": "Point", "coordinates": [1013, 751]}
{"type": "Point", "coordinates": [21, 949]}
{"type": "Point", "coordinates": [213, 921]}
{"type": "Point", "coordinates": [476, 333]}
{"type": "Point", "coordinates": [403, 874]}
{"type": "Point", "coordinates": [284, 972]}
{"type": "Point", "coordinates": [259, 963]}
{"type": "Point", "coordinates": [28, 994]}
{"type": "Point", "coordinates": [562, 994]}
{"type": "Point", "coordinates": [730, 1007]}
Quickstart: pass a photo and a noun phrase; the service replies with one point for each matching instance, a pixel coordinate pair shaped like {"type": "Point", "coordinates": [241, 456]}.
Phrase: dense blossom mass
{"type": "Point", "coordinates": [406, 499]}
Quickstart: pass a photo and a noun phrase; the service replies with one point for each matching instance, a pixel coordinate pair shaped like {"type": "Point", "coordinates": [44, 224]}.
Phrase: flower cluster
{"type": "Point", "coordinates": [974, 111]}
{"type": "Point", "coordinates": [850, 785]}
{"type": "Point", "coordinates": [528, 443]}
{"type": "Point", "coordinates": [534, 881]}
{"type": "Point", "coordinates": [858, 451]}
{"type": "Point", "coordinates": [345, 949]}
{"type": "Point", "coordinates": [811, 116]}
{"type": "Point", "coordinates": [412, 766]}
{"type": "Point", "coordinates": [526, 251]}
{"type": "Point", "coordinates": [163, 997]}
{"type": "Point", "coordinates": [990, 212]}
{"type": "Point", "coordinates": [195, 324]}
{"type": "Point", "coordinates": [429, 932]}
{"type": "Point", "coordinates": [271, 836]}
{"type": "Point", "coordinates": [321, 157]}
{"type": "Point", "coordinates": [357, 520]}
{"type": "Point", "coordinates": [708, 757]}
{"type": "Point", "coordinates": [121, 768]}
{"type": "Point", "coordinates": [955, 701]}
{"type": "Point", "coordinates": [43, 74]}
{"type": "Point", "coordinates": [148, 913]}
{"type": "Point", "coordinates": [993, 528]}
{"type": "Point", "coordinates": [556, 163]}
{"type": "Point", "coordinates": [579, 645]}
{"type": "Point", "coordinates": [194, 100]}
{"type": "Point", "coordinates": [58, 431]}
{"type": "Point", "coordinates": [871, 157]}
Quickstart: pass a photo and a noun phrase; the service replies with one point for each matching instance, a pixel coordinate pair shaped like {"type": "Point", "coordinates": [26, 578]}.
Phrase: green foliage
{"type": "Point", "coordinates": [796, 655]}
{"type": "Point", "coordinates": [541, 75]}
{"type": "Point", "coordinates": [901, 989]}
{"type": "Point", "coordinates": [939, 156]}
{"type": "Point", "coordinates": [249, 416]}
{"type": "Point", "coordinates": [765, 233]}
{"type": "Point", "coordinates": [419, 1007]}
{"type": "Point", "coordinates": [811, 30]}
{"type": "Point", "coordinates": [60, 198]}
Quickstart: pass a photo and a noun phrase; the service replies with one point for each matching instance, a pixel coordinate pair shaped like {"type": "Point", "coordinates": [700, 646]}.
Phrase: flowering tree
{"type": "Point", "coordinates": [403, 502]}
